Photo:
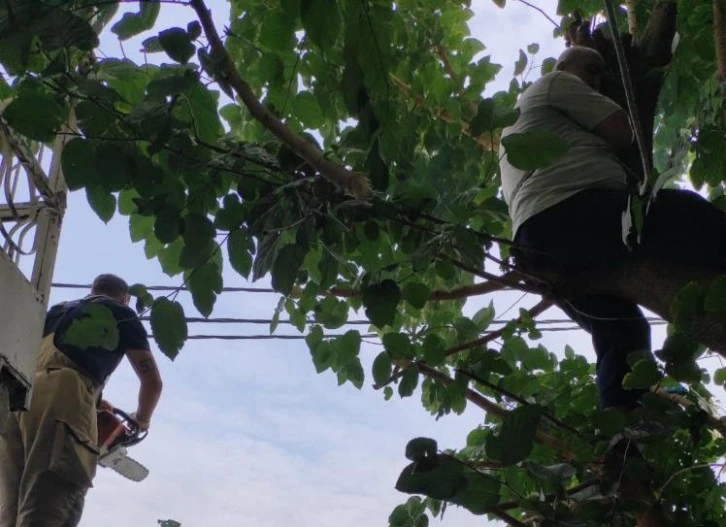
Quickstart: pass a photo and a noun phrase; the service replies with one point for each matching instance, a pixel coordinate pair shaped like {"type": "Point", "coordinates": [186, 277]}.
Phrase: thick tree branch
{"type": "Point", "coordinates": [652, 284]}
{"type": "Point", "coordinates": [632, 18]}
{"type": "Point", "coordinates": [719, 37]}
{"type": "Point", "coordinates": [352, 183]}
{"type": "Point", "coordinates": [657, 39]}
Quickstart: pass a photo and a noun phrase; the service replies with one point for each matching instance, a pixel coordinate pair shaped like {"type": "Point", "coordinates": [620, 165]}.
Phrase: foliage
{"type": "Point", "coordinates": [397, 94]}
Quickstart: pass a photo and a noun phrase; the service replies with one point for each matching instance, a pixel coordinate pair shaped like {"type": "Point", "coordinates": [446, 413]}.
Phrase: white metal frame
{"type": "Point", "coordinates": [32, 205]}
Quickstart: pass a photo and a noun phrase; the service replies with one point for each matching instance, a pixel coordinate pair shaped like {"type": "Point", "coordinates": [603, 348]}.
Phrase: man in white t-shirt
{"type": "Point", "coordinates": [569, 213]}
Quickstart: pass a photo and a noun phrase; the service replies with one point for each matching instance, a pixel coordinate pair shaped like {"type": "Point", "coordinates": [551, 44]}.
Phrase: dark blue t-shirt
{"type": "Point", "coordinates": [97, 362]}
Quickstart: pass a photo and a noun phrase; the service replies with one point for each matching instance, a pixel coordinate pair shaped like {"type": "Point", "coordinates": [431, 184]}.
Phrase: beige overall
{"type": "Point", "coordinates": [48, 454]}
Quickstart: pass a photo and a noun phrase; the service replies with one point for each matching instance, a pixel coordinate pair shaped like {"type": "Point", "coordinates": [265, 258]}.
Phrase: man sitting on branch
{"type": "Point", "coordinates": [569, 214]}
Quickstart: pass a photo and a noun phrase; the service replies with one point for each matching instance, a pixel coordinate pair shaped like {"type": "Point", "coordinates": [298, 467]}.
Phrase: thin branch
{"type": "Point", "coordinates": [713, 422]}
{"type": "Point", "coordinates": [687, 469]}
{"type": "Point", "coordinates": [538, 309]}
{"type": "Point", "coordinates": [441, 53]}
{"type": "Point", "coordinates": [482, 288]}
{"type": "Point", "coordinates": [506, 281]}
{"type": "Point", "coordinates": [541, 11]}
{"type": "Point", "coordinates": [352, 183]}
{"type": "Point", "coordinates": [518, 399]}
{"type": "Point", "coordinates": [492, 408]}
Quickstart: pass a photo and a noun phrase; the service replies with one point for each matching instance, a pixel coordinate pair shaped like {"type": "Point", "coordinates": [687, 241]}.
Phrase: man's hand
{"type": "Point", "coordinates": [143, 425]}
{"type": "Point", "coordinates": [105, 406]}
{"type": "Point", "coordinates": [143, 363]}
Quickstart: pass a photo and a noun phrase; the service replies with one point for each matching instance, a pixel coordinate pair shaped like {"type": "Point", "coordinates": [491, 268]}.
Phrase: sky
{"type": "Point", "coordinates": [246, 432]}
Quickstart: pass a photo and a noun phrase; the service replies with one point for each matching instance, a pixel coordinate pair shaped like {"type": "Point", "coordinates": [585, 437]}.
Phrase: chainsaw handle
{"type": "Point", "coordinates": [136, 435]}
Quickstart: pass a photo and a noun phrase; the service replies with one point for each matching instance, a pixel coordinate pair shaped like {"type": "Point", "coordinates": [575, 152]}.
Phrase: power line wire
{"type": "Point", "coordinates": [61, 285]}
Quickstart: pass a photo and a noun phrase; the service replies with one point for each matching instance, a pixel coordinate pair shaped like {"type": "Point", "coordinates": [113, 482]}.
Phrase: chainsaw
{"type": "Point", "coordinates": [117, 431]}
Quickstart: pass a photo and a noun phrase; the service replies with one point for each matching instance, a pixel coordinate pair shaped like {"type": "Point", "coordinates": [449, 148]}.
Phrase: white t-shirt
{"type": "Point", "coordinates": [562, 104]}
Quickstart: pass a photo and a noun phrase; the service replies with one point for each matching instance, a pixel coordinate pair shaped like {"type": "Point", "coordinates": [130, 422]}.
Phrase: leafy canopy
{"type": "Point", "coordinates": [393, 90]}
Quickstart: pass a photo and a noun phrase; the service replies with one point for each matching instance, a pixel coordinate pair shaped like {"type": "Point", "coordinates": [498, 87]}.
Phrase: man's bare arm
{"type": "Point", "coordinates": [616, 130]}
{"type": "Point", "coordinates": [143, 363]}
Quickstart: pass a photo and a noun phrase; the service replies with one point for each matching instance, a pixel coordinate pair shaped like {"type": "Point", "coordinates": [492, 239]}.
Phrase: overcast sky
{"type": "Point", "coordinates": [246, 432]}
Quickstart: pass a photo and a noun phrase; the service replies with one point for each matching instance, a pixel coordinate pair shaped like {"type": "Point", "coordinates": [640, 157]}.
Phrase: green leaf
{"type": "Point", "coordinates": [205, 283]}
{"type": "Point", "coordinates": [416, 294]}
{"type": "Point", "coordinates": [421, 448]}
{"type": "Point", "coordinates": [167, 224]}
{"type": "Point", "coordinates": [439, 478]}
{"type": "Point", "coordinates": [238, 249]}
{"type": "Point", "coordinates": [329, 269]}
{"type": "Point", "coordinates": [500, 3]}
{"type": "Point", "coordinates": [514, 441]}
{"type": "Point", "coordinates": [434, 350]}
{"type": "Point", "coordinates": [479, 494]}
{"type": "Point", "coordinates": [687, 305]}
{"type": "Point", "coordinates": [381, 302]}
{"type": "Point", "coordinates": [173, 84]}
{"type": "Point", "coordinates": [307, 109]}
{"type": "Point", "coordinates": [610, 421]}
{"type": "Point", "coordinates": [353, 372]}
{"type": "Point", "coordinates": [719, 376]}
{"type": "Point", "coordinates": [680, 347]}
{"type": "Point", "coordinates": [131, 24]}
{"type": "Point", "coordinates": [177, 44]}
{"type": "Point", "coordinates": [287, 264]}
{"type": "Point", "coordinates": [716, 296]}
{"type": "Point", "coordinates": [445, 269]}
{"type": "Point", "coordinates": [548, 65]}
{"type": "Point", "coordinates": [484, 317]}
{"type": "Point", "coordinates": [409, 382]}
{"type": "Point", "coordinates": [78, 162]}
{"type": "Point", "coordinates": [533, 48]}
{"type": "Point", "coordinates": [534, 149]}
{"type": "Point", "coordinates": [198, 238]}
{"type": "Point", "coordinates": [643, 375]}
{"type": "Point", "coordinates": [397, 345]}
{"type": "Point", "coordinates": [382, 368]}
{"type": "Point", "coordinates": [331, 312]}
{"type": "Point", "coordinates": [387, 393]}
{"type": "Point", "coordinates": [521, 64]}
{"type": "Point", "coordinates": [152, 45]}
{"type": "Point", "coordinates": [277, 32]}
{"type": "Point", "coordinates": [95, 328]}
{"type": "Point", "coordinates": [321, 21]}
{"type": "Point", "coordinates": [34, 113]}
{"type": "Point", "coordinates": [112, 167]}
{"type": "Point", "coordinates": [102, 202]}
{"type": "Point", "coordinates": [203, 107]}
{"type": "Point", "coordinates": [320, 350]}
{"type": "Point", "coordinates": [169, 326]}
{"type": "Point", "coordinates": [194, 28]}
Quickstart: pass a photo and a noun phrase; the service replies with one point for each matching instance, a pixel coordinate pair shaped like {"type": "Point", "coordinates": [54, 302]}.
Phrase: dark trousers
{"type": "Point", "coordinates": [585, 230]}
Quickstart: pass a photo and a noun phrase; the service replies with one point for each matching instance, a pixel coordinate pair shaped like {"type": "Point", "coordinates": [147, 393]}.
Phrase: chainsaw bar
{"type": "Point", "coordinates": [117, 459]}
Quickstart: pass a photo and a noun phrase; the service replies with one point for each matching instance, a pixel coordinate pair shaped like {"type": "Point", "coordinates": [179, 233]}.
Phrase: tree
{"type": "Point", "coordinates": [358, 168]}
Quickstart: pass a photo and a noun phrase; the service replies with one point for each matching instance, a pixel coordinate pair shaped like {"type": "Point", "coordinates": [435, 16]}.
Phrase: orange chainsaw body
{"type": "Point", "coordinates": [110, 429]}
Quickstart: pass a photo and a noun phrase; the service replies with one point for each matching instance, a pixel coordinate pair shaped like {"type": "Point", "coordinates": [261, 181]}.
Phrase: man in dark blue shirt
{"type": "Point", "coordinates": [48, 454]}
